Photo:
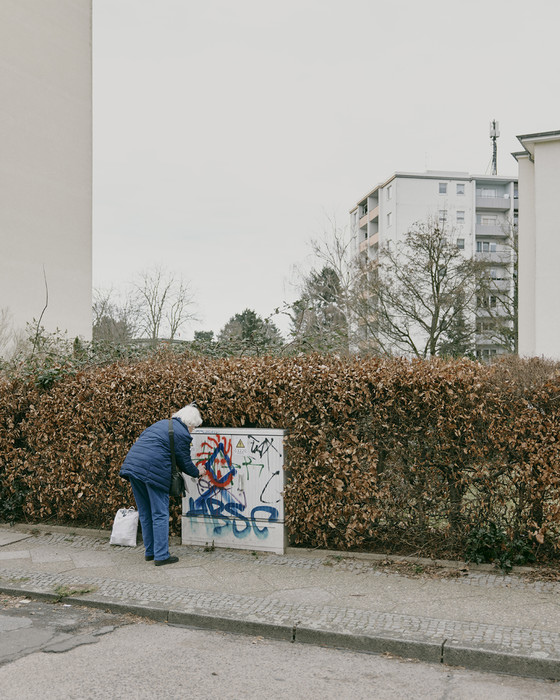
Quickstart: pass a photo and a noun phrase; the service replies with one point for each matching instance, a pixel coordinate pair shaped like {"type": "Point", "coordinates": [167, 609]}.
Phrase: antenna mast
{"type": "Point", "coordinates": [494, 133]}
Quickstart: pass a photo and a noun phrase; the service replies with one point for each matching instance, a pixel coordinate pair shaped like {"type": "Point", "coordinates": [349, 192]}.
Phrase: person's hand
{"type": "Point", "coordinates": [201, 471]}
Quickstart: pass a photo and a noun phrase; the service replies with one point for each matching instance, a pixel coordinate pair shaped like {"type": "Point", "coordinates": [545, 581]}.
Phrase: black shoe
{"type": "Point", "coordinates": [149, 557]}
{"type": "Point", "coordinates": [169, 560]}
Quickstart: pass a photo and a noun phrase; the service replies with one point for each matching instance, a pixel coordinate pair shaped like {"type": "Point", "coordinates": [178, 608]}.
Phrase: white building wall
{"type": "Point", "coordinates": [527, 259]}
{"type": "Point", "coordinates": [416, 198]}
{"type": "Point", "coordinates": [547, 249]}
{"type": "Point", "coordinates": [419, 199]}
{"type": "Point", "coordinates": [539, 245]}
{"type": "Point", "coordinates": [46, 163]}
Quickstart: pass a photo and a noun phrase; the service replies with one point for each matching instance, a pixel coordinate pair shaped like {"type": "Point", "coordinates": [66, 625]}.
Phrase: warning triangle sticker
{"type": "Point", "coordinates": [239, 445]}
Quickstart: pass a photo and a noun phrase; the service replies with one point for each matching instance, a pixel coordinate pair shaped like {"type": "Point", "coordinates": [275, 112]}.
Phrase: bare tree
{"type": "Point", "coordinates": [459, 339]}
{"type": "Point", "coordinates": [498, 293]}
{"type": "Point", "coordinates": [6, 330]}
{"type": "Point", "coordinates": [165, 303]}
{"type": "Point", "coordinates": [409, 300]}
{"type": "Point", "coordinates": [179, 309]}
{"type": "Point", "coordinates": [113, 321]}
{"type": "Point", "coordinates": [321, 317]}
{"type": "Point", "coordinates": [318, 320]}
{"type": "Point", "coordinates": [38, 327]}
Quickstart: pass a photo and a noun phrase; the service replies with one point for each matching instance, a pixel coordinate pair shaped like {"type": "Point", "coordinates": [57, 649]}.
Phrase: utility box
{"type": "Point", "coordinates": [239, 503]}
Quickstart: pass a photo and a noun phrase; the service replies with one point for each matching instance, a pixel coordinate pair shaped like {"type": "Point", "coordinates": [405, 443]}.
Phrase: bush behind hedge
{"type": "Point", "coordinates": [404, 456]}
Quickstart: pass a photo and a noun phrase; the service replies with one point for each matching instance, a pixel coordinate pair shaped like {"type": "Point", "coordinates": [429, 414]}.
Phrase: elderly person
{"type": "Point", "coordinates": [148, 468]}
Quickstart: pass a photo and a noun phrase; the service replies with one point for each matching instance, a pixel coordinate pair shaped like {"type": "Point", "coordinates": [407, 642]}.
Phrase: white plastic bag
{"type": "Point", "coordinates": [125, 527]}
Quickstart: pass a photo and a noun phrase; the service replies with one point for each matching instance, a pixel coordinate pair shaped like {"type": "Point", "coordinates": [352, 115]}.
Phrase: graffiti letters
{"type": "Point", "coordinates": [235, 498]}
{"type": "Point", "coordinates": [261, 447]}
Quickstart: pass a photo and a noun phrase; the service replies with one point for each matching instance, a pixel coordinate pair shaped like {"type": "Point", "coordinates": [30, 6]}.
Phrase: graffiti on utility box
{"type": "Point", "coordinates": [238, 502]}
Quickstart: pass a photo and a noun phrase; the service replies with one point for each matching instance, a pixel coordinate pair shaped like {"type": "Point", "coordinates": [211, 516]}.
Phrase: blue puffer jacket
{"type": "Point", "coordinates": [149, 459]}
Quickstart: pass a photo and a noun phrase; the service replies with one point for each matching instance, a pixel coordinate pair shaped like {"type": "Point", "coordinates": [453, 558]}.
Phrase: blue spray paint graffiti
{"type": "Point", "coordinates": [222, 500]}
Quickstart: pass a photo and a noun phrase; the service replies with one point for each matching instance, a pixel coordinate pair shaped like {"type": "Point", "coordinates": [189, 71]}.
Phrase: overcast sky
{"type": "Point", "coordinates": [227, 133]}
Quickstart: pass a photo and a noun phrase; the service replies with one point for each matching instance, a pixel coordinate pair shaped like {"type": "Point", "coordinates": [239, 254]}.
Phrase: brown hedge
{"type": "Point", "coordinates": [382, 454]}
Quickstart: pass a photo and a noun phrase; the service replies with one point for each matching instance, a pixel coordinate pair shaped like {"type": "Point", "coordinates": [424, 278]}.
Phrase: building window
{"type": "Point", "coordinates": [443, 187]}
{"type": "Point", "coordinates": [487, 220]}
{"type": "Point", "coordinates": [499, 273]}
{"type": "Point", "coordinates": [460, 217]}
{"type": "Point", "coordinates": [389, 218]}
{"type": "Point", "coordinates": [389, 191]}
{"type": "Point", "coordinates": [486, 354]}
{"type": "Point", "coordinates": [461, 243]}
{"type": "Point", "coordinates": [442, 216]}
{"type": "Point", "coordinates": [486, 324]}
{"type": "Point", "coordinates": [364, 209]}
{"type": "Point", "coordinates": [485, 247]}
{"type": "Point", "coordinates": [460, 188]}
{"type": "Point", "coordinates": [487, 302]}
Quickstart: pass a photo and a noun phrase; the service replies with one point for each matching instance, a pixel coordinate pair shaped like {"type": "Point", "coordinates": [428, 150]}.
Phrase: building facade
{"type": "Point", "coordinates": [539, 245]}
{"type": "Point", "coordinates": [46, 165]}
{"type": "Point", "coordinates": [479, 212]}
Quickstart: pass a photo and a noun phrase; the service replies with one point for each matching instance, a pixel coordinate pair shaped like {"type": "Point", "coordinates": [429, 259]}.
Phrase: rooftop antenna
{"type": "Point", "coordinates": [494, 133]}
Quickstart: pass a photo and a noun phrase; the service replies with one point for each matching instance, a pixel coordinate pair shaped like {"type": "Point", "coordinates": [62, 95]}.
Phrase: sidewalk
{"type": "Point", "coordinates": [480, 620]}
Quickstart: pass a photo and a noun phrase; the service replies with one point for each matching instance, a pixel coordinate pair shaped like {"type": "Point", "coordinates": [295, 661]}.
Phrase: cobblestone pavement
{"type": "Point", "coordinates": [337, 562]}
{"type": "Point", "coordinates": [303, 596]}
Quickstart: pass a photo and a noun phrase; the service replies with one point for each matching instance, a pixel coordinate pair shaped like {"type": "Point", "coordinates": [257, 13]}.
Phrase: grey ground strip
{"type": "Point", "coordinates": [338, 563]}
{"type": "Point", "coordinates": [530, 642]}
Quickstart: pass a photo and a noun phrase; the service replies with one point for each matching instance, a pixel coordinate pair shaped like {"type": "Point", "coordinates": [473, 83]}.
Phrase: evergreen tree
{"type": "Point", "coordinates": [458, 339]}
{"type": "Point", "coordinates": [248, 334]}
{"type": "Point", "coordinates": [318, 320]}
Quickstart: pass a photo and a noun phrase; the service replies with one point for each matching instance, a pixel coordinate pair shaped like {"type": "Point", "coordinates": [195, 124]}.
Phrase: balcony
{"type": "Point", "coordinates": [370, 212]}
{"type": "Point", "coordinates": [500, 285]}
{"type": "Point", "coordinates": [372, 215]}
{"type": "Point", "coordinates": [371, 241]}
{"type": "Point", "coordinates": [499, 257]}
{"type": "Point", "coordinates": [494, 203]}
{"type": "Point", "coordinates": [494, 231]}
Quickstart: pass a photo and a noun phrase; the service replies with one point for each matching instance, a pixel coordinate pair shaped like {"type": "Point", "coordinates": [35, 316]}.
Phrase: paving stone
{"type": "Point", "coordinates": [309, 609]}
{"type": "Point", "coordinates": [7, 537]}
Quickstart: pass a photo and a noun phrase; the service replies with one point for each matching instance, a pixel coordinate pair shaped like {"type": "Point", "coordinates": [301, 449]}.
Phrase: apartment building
{"type": "Point", "coordinates": [477, 211]}
{"type": "Point", "coordinates": [46, 166]}
{"type": "Point", "coordinates": [539, 245]}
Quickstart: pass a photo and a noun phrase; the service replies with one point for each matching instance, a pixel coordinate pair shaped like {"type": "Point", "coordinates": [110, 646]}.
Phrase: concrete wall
{"type": "Point", "coordinates": [418, 199]}
{"type": "Point", "coordinates": [547, 249]}
{"type": "Point", "coordinates": [539, 245]}
{"type": "Point", "coordinates": [46, 163]}
{"type": "Point", "coordinates": [527, 262]}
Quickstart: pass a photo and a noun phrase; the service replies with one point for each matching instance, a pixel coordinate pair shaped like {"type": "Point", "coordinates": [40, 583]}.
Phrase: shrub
{"type": "Point", "coordinates": [398, 455]}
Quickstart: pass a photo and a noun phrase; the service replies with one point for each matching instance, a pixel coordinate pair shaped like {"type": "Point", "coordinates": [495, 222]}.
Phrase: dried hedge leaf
{"type": "Point", "coordinates": [398, 455]}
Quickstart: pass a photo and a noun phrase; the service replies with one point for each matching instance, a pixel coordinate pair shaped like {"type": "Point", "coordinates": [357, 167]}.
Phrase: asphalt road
{"type": "Point", "coordinates": [55, 651]}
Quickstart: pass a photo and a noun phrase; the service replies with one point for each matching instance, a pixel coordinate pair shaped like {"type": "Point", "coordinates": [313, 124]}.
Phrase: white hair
{"type": "Point", "coordinates": [189, 415]}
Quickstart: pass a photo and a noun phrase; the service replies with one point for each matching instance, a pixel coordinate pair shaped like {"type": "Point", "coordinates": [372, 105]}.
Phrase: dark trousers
{"type": "Point", "coordinates": [153, 512]}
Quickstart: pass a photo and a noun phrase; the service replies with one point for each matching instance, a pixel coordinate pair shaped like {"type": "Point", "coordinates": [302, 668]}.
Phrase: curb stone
{"type": "Point", "coordinates": [438, 649]}
{"type": "Point", "coordinates": [499, 662]}
{"type": "Point", "coordinates": [519, 650]}
{"type": "Point", "coordinates": [429, 652]}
